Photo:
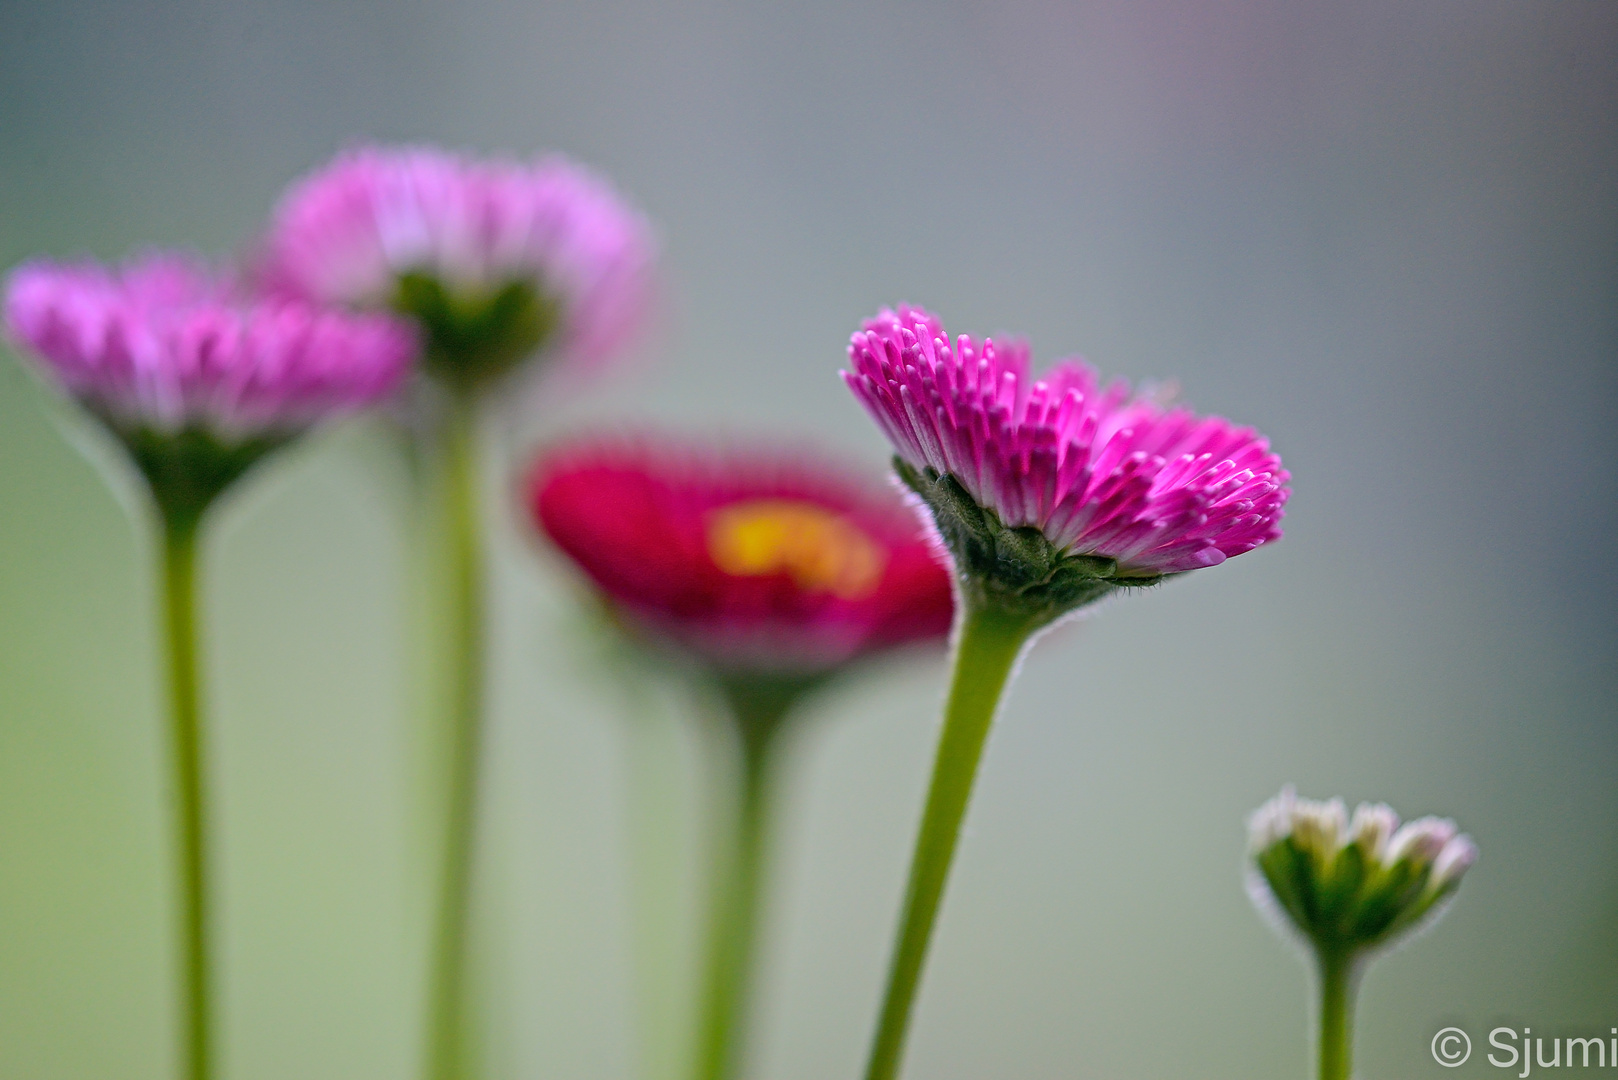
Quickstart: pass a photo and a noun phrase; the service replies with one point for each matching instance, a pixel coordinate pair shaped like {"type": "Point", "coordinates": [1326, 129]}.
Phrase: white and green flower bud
{"type": "Point", "coordinates": [1349, 885]}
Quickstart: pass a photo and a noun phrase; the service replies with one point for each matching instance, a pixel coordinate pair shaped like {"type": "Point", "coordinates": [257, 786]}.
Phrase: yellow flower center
{"type": "Point", "coordinates": [822, 550]}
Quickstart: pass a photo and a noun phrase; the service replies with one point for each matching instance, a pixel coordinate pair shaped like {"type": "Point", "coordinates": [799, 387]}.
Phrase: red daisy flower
{"type": "Point", "coordinates": [758, 561]}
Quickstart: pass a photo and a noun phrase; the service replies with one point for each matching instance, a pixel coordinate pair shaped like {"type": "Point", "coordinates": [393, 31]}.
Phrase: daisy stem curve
{"type": "Point", "coordinates": [190, 806]}
{"type": "Point", "coordinates": [446, 1033]}
{"type": "Point", "coordinates": [988, 642]}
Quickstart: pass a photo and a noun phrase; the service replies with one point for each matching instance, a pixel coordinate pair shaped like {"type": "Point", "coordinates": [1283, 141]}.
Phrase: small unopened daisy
{"type": "Point", "coordinates": [1349, 887]}
{"type": "Point", "coordinates": [1050, 492]}
{"type": "Point", "coordinates": [770, 571]}
{"type": "Point", "coordinates": [199, 382]}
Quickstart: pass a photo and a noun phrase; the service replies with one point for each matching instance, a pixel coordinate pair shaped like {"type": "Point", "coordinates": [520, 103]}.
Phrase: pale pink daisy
{"type": "Point", "coordinates": [497, 257]}
{"type": "Point", "coordinates": [164, 345]}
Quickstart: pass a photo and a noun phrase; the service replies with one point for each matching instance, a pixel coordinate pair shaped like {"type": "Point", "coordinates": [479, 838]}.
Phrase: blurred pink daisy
{"type": "Point", "coordinates": [168, 354]}
{"type": "Point", "coordinates": [497, 258]}
{"type": "Point", "coordinates": [163, 344]}
{"type": "Point", "coordinates": [1098, 473]}
{"type": "Point", "coordinates": [755, 560]}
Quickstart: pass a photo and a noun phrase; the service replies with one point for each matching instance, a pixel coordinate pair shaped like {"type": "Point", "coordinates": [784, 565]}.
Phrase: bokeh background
{"type": "Point", "coordinates": [1385, 233]}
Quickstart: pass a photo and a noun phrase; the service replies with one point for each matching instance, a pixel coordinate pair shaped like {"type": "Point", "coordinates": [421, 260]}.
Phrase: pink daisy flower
{"type": "Point", "coordinates": [199, 382]}
{"type": "Point", "coordinates": [162, 345]}
{"type": "Point", "coordinates": [1099, 473]}
{"type": "Point", "coordinates": [497, 258]}
{"type": "Point", "coordinates": [1050, 494]}
{"type": "Point", "coordinates": [758, 561]}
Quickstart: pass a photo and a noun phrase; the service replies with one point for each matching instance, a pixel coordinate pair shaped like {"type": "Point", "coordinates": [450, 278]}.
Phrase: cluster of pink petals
{"type": "Point", "coordinates": [635, 517]}
{"type": "Point", "coordinates": [1098, 472]}
{"type": "Point", "coordinates": [345, 233]}
{"type": "Point", "coordinates": [164, 344]}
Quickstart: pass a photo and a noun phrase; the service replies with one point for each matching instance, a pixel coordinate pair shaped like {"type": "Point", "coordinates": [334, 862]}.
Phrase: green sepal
{"type": "Point", "coordinates": [1405, 900]}
{"type": "Point", "coordinates": [761, 700]}
{"type": "Point", "coordinates": [475, 337]}
{"type": "Point", "coordinates": [1423, 904]}
{"type": "Point", "coordinates": [188, 469]}
{"type": "Point", "coordinates": [1340, 891]}
{"type": "Point", "coordinates": [1013, 568]}
{"type": "Point", "coordinates": [1351, 903]}
{"type": "Point", "coordinates": [1387, 899]}
{"type": "Point", "coordinates": [1291, 879]}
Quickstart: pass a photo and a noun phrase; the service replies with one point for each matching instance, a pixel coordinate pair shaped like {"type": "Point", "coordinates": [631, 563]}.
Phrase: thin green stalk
{"type": "Point", "coordinates": [447, 1039]}
{"type": "Point", "coordinates": [1337, 972]}
{"type": "Point", "coordinates": [986, 649]}
{"type": "Point", "coordinates": [757, 706]}
{"type": "Point", "coordinates": [179, 586]}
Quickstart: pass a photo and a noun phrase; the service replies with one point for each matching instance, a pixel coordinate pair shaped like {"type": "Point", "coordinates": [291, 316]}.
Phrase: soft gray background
{"type": "Point", "coordinates": [1385, 233]}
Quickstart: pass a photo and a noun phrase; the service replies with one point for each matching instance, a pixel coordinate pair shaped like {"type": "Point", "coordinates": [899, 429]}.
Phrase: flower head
{"type": "Point", "coordinates": [1353, 883]}
{"type": "Point", "coordinates": [496, 258]}
{"type": "Point", "coordinates": [756, 561]}
{"type": "Point", "coordinates": [1059, 481]}
{"type": "Point", "coordinates": [178, 363]}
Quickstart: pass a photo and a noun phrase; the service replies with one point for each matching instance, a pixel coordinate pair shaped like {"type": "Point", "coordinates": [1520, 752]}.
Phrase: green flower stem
{"type": "Point", "coordinates": [757, 708]}
{"type": "Point", "coordinates": [446, 1049]}
{"type": "Point", "coordinates": [990, 638]}
{"type": "Point", "coordinates": [731, 926]}
{"type": "Point", "coordinates": [1337, 979]}
{"type": "Point", "coordinates": [179, 581]}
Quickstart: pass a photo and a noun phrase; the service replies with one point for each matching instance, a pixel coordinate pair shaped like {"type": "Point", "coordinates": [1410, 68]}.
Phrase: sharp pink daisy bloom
{"type": "Point", "coordinates": [772, 570]}
{"type": "Point", "coordinates": [754, 560]}
{"type": "Point", "coordinates": [1097, 472]}
{"type": "Point", "coordinates": [1050, 493]}
{"type": "Point", "coordinates": [196, 378]}
{"type": "Point", "coordinates": [497, 258]}
{"type": "Point", "coordinates": [1350, 887]}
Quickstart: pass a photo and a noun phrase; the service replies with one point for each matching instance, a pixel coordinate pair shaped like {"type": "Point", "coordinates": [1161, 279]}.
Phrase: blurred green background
{"type": "Point", "coordinates": [1387, 234]}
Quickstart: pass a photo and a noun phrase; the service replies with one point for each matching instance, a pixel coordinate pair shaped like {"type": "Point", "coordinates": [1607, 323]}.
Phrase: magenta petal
{"type": "Point", "coordinates": [344, 234]}
{"type": "Point", "coordinates": [164, 344]}
{"type": "Point", "coordinates": [1099, 472]}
